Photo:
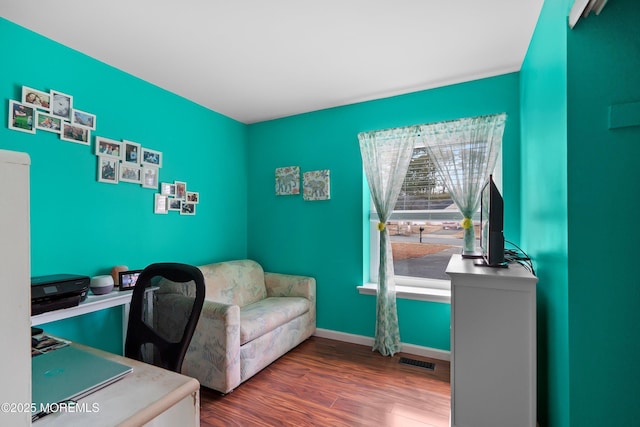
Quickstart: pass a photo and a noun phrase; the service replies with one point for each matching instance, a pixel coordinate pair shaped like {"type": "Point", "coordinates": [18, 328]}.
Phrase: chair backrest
{"type": "Point", "coordinates": [159, 332]}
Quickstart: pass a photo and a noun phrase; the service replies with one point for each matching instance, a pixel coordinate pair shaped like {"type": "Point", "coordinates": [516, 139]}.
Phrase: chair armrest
{"type": "Point", "coordinates": [288, 285]}
{"type": "Point", "coordinates": [214, 353]}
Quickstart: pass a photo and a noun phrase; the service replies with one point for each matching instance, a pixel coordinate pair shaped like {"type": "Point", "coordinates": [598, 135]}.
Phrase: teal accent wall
{"type": "Point", "coordinates": [544, 203]}
{"type": "Point", "coordinates": [579, 230]}
{"type": "Point", "coordinates": [81, 226]}
{"type": "Point", "coordinates": [604, 198]}
{"type": "Point", "coordinates": [325, 239]}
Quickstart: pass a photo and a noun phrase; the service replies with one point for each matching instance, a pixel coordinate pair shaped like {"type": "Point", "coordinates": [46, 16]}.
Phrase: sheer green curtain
{"type": "Point", "coordinates": [386, 155]}
{"type": "Point", "coordinates": [465, 153]}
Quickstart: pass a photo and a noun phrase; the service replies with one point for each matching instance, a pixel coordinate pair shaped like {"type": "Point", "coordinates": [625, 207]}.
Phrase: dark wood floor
{"type": "Point", "coordinates": [324, 382]}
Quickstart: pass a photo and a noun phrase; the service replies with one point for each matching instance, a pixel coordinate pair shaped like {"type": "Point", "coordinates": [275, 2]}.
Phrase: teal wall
{"type": "Point", "coordinates": [324, 239]}
{"type": "Point", "coordinates": [604, 198]}
{"type": "Point", "coordinates": [81, 226]}
{"type": "Point", "coordinates": [577, 230]}
{"type": "Point", "coordinates": [544, 203]}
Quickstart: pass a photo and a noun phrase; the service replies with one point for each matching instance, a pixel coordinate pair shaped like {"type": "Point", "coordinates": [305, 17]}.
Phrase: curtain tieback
{"type": "Point", "coordinates": [466, 223]}
{"type": "Point", "coordinates": [381, 226]}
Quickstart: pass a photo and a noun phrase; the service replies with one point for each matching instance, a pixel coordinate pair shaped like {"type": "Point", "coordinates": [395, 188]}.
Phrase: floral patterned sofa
{"type": "Point", "coordinates": [249, 319]}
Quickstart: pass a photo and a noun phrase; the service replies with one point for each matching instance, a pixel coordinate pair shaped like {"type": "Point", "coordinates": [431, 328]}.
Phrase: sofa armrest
{"type": "Point", "coordinates": [214, 353]}
{"type": "Point", "coordinates": [288, 285]}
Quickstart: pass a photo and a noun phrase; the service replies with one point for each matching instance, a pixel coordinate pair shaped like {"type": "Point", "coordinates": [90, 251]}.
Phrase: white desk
{"type": "Point", "coordinates": [94, 303]}
{"type": "Point", "coordinates": [91, 304]}
{"type": "Point", "coordinates": [149, 396]}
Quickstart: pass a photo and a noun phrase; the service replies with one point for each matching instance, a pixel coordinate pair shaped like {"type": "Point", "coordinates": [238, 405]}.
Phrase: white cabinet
{"type": "Point", "coordinates": [15, 288]}
{"type": "Point", "coordinates": [493, 345]}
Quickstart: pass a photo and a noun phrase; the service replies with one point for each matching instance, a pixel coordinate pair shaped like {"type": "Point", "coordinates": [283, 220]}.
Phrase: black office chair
{"type": "Point", "coordinates": [165, 307]}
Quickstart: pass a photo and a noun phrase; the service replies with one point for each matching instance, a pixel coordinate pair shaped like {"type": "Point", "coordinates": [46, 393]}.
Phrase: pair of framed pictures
{"type": "Point", "coordinates": [316, 183]}
{"type": "Point", "coordinates": [175, 197]}
{"type": "Point", "coordinates": [52, 112]}
{"type": "Point", "coordinates": [127, 161]}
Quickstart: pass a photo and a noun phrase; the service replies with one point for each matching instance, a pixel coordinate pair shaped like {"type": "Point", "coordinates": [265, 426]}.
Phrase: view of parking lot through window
{"type": "Point", "coordinates": [425, 226]}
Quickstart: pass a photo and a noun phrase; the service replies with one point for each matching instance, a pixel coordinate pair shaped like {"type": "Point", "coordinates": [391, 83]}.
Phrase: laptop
{"type": "Point", "coordinates": [68, 373]}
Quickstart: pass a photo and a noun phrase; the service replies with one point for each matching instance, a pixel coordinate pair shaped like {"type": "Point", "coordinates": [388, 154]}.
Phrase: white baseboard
{"type": "Point", "coordinates": [418, 350]}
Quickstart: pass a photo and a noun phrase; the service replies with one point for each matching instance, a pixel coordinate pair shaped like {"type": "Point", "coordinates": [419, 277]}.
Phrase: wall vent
{"type": "Point", "coordinates": [419, 363]}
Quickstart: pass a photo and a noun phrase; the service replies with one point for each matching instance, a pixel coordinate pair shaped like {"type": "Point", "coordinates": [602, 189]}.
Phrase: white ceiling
{"type": "Point", "coordinates": [255, 60]}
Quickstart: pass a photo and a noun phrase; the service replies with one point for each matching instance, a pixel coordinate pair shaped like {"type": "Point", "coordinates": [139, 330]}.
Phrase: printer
{"type": "Point", "coordinates": [57, 291]}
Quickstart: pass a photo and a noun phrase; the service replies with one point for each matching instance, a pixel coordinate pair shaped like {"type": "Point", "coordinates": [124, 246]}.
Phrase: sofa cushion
{"type": "Point", "coordinates": [264, 316]}
{"type": "Point", "coordinates": [239, 282]}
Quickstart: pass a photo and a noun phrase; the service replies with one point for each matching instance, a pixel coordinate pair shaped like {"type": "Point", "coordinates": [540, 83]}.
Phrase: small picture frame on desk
{"type": "Point", "coordinates": [127, 279]}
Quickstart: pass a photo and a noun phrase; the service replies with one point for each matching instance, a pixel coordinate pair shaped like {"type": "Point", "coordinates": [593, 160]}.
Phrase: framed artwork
{"type": "Point", "coordinates": [130, 173]}
{"type": "Point", "coordinates": [77, 134]}
{"type": "Point", "coordinates": [187, 208]}
{"type": "Point", "coordinates": [108, 170]}
{"type": "Point", "coordinates": [61, 105]}
{"type": "Point", "coordinates": [193, 197]}
{"type": "Point", "coordinates": [131, 152]}
{"type": "Point", "coordinates": [36, 98]}
{"type": "Point", "coordinates": [174, 204]}
{"type": "Point", "coordinates": [168, 189]}
{"type": "Point", "coordinates": [181, 190]}
{"type": "Point", "coordinates": [160, 205]}
{"type": "Point", "coordinates": [81, 118]}
{"type": "Point", "coordinates": [45, 121]}
{"type": "Point", "coordinates": [21, 117]}
{"type": "Point", "coordinates": [150, 177]}
{"type": "Point", "coordinates": [151, 157]}
{"type": "Point", "coordinates": [108, 147]}
{"type": "Point", "coordinates": [316, 185]}
{"type": "Point", "coordinates": [288, 181]}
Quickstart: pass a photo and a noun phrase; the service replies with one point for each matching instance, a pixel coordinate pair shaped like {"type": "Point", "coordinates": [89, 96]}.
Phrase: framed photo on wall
{"type": "Point", "coordinates": [174, 204]}
{"type": "Point", "coordinates": [36, 98]}
{"type": "Point", "coordinates": [130, 173]}
{"type": "Point", "coordinates": [151, 157]}
{"type": "Point", "coordinates": [108, 147]}
{"type": "Point", "coordinates": [168, 189]}
{"type": "Point", "coordinates": [160, 205]}
{"type": "Point", "coordinates": [48, 122]}
{"type": "Point", "coordinates": [108, 170]}
{"type": "Point", "coordinates": [193, 197]}
{"type": "Point", "coordinates": [131, 152]}
{"type": "Point", "coordinates": [181, 190]}
{"type": "Point", "coordinates": [187, 208]}
{"type": "Point", "coordinates": [61, 105]}
{"type": "Point", "coordinates": [77, 134]}
{"type": "Point", "coordinates": [21, 117]}
{"type": "Point", "coordinates": [149, 176]}
{"type": "Point", "coordinates": [81, 118]}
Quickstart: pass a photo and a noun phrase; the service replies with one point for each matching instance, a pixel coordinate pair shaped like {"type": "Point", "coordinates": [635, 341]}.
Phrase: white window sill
{"type": "Point", "coordinates": [420, 293]}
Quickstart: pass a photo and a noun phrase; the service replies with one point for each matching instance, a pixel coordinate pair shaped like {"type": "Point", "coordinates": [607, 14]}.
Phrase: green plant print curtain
{"type": "Point", "coordinates": [386, 155]}
{"type": "Point", "coordinates": [465, 153]}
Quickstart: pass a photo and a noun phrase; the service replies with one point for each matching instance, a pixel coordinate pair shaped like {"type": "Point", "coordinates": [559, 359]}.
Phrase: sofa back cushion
{"type": "Point", "coordinates": [239, 282]}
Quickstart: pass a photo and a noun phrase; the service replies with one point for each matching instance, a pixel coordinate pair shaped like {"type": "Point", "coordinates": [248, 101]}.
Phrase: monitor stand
{"type": "Point", "coordinates": [471, 254]}
{"type": "Point", "coordinates": [482, 263]}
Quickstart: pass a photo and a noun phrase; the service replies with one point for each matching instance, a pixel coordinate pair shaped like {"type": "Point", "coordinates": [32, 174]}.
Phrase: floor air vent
{"type": "Point", "coordinates": [419, 363]}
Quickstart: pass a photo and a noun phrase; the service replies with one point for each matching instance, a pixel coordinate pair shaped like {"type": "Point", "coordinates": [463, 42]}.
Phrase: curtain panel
{"type": "Point", "coordinates": [465, 153]}
{"type": "Point", "coordinates": [385, 156]}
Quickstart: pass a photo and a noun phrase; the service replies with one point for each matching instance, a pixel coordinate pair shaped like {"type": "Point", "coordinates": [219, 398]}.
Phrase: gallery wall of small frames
{"type": "Point", "coordinates": [118, 161]}
{"type": "Point", "coordinates": [316, 184]}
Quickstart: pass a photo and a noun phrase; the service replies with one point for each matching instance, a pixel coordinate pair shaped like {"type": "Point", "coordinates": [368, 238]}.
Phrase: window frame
{"type": "Point", "coordinates": [410, 287]}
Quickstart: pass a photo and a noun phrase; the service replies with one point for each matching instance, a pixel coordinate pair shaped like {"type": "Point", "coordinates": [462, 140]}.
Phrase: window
{"type": "Point", "coordinates": [424, 228]}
